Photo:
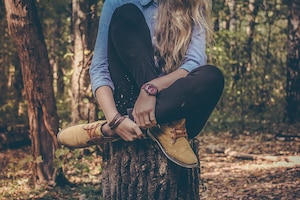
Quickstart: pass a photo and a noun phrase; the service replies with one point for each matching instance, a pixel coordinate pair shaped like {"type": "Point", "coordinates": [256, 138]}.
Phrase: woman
{"type": "Point", "coordinates": [149, 64]}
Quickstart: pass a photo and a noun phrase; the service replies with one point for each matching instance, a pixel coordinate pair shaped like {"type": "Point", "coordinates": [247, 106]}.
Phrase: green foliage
{"type": "Point", "coordinates": [254, 95]}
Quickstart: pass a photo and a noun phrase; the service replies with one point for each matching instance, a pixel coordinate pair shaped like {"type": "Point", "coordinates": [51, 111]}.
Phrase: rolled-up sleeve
{"type": "Point", "coordinates": [99, 73]}
{"type": "Point", "coordinates": [195, 55]}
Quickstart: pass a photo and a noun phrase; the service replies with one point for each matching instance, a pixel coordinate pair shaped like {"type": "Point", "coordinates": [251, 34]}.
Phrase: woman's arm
{"type": "Point", "coordinates": [106, 101]}
{"type": "Point", "coordinates": [196, 53]}
{"type": "Point", "coordinates": [99, 72]}
{"type": "Point", "coordinates": [144, 108]}
{"type": "Point", "coordinates": [167, 80]}
{"type": "Point", "coordinates": [102, 84]}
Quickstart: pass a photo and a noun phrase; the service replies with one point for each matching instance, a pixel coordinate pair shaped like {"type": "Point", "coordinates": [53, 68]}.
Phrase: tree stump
{"type": "Point", "coordinates": [140, 171]}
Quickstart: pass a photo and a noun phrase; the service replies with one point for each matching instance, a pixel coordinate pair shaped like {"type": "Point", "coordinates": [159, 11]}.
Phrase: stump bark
{"type": "Point", "coordinates": [139, 170]}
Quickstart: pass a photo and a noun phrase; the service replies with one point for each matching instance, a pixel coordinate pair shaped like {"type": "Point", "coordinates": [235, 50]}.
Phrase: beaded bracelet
{"type": "Point", "coordinates": [118, 118]}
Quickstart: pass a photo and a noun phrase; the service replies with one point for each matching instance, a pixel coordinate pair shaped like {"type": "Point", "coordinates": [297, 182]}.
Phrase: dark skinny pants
{"type": "Point", "coordinates": [131, 64]}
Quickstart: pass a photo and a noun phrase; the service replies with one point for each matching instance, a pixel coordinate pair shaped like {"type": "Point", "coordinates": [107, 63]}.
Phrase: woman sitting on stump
{"type": "Point", "coordinates": [150, 77]}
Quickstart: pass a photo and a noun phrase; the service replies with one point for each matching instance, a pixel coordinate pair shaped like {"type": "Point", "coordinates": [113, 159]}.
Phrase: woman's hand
{"type": "Point", "coordinates": [144, 110]}
{"type": "Point", "coordinates": [128, 130]}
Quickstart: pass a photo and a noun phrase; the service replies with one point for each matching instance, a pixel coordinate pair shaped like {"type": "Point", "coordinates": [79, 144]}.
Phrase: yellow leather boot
{"type": "Point", "coordinates": [173, 141]}
{"type": "Point", "coordinates": [84, 135]}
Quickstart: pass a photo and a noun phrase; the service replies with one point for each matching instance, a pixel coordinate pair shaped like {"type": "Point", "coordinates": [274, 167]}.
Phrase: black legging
{"type": "Point", "coordinates": [131, 64]}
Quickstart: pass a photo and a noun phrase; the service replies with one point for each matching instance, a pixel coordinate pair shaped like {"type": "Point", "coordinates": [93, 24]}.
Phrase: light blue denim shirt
{"type": "Point", "coordinates": [99, 73]}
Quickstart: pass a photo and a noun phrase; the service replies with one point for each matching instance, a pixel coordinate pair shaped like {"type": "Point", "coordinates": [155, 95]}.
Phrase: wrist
{"type": "Point", "coordinates": [116, 121]}
{"type": "Point", "coordinates": [109, 115]}
{"type": "Point", "coordinates": [150, 89]}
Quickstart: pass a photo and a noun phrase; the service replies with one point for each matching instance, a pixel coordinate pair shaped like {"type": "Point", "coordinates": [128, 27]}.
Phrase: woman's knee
{"type": "Point", "coordinates": [212, 75]}
{"type": "Point", "coordinates": [127, 14]}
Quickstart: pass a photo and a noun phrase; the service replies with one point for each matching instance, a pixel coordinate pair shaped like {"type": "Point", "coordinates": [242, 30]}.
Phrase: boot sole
{"type": "Point", "coordinates": [168, 156]}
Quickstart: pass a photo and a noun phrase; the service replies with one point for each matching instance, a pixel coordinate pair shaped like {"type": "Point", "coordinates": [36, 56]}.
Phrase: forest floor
{"type": "Point", "coordinates": [255, 166]}
{"type": "Point", "coordinates": [233, 166]}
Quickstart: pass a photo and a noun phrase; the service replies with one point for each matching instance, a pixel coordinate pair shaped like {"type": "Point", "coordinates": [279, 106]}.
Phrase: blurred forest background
{"type": "Point", "coordinates": [251, 48]}
{"type": "Point", "coordinates": [256, 46]}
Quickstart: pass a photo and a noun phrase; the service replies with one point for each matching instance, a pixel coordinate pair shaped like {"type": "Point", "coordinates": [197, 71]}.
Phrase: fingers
{"type": "Point", "coordinates": [129, 130]}
{"type": "Point", "coordinates": [152, 118]}
{"type": "Point", "coordinates": [138, 131]}
{"type": "Point", "coordinates": [145, 120]}
{"type": "Point", "coordinates": [149, 120]}
{"type": "Point", "coordinates": [139, 119]}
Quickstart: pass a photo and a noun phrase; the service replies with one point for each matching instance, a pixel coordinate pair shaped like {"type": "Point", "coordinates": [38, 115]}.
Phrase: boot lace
{"type": "Point", "coordinates": [178, 133]}
{"type": "Point", "coordinates": [91, 129]}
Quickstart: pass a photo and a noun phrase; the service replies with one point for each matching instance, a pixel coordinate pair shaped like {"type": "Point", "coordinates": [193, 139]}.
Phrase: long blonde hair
{"type": "Point", "coordinates": [174, 24]}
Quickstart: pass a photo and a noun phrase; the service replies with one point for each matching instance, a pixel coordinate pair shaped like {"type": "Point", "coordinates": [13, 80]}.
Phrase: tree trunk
{"type": "Point", "coordinates": [253, 8]}
{"type": "Point", "coordinates": [83, 31]}
{"type": "Point", "coordinates": [140, 171]}
{"type": "Point", "coordinates": [293, 63]}
{"type": "Point", "coordinates": [232, 22]}
{"type": "Point", "coordinates": [56, 58]}
{"type": "Point", "coordinates": [27, 33]}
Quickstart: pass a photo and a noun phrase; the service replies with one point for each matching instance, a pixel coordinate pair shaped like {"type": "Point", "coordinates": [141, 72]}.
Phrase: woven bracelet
{"type": "Point", "coordinates": [118, 118]}
{"type": "Point", "coordinates": [113, 121]}
{"type": "Point", "coordinates": [118, 122]}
